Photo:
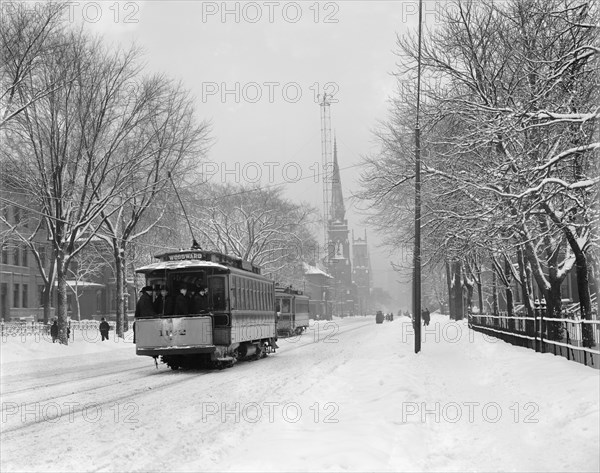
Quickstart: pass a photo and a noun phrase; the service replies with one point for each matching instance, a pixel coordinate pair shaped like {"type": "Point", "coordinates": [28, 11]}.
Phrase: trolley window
{"type": "Point", "coordinates": [216, 291]}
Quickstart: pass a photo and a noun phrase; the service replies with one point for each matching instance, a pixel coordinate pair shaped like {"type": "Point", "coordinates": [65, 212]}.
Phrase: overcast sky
{"type": "Point", "coordinates": [256, 68]}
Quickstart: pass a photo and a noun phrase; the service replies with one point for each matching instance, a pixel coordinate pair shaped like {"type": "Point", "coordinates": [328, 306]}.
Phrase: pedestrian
{"type": "Point", "coordinates": [145, 307]}
{"type": "Point", "coordinates": [104, 328]}
{"type": "Point", "coordinates": [54, 331]}
{"type": "Point", "coordinates": [426, 316]}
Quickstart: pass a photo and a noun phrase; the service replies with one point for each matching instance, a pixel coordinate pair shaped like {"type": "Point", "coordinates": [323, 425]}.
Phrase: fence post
{"type": "Point", "coordinates": [536, 330]}
{"type": "Point", "coordinates": [568, 343]}
{"type": "Point", "coordinates": [583, 344]}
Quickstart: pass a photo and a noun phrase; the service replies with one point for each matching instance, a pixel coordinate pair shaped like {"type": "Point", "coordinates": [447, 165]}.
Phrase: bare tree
{"type": "Point", "coordinates": [257, 225]}
{"type": "Point", "coordinates": [167, 138]}
{"type": "Point", "coordinates": [510, 112]}
{"type": "Point", "coordinates": [27, 38]}
{"type": "Point", "coordinates": [64, 147]}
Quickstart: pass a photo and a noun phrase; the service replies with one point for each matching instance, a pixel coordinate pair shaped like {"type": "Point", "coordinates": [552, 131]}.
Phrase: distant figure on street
{"type": "Point", "coordinates": [426, 316]}
{"type": "Point", "coordinates": [54, 331]}
{"type": "Point", "coordinates": [145, 306]}
{"type": "Point", "coordinates": [104, 328]}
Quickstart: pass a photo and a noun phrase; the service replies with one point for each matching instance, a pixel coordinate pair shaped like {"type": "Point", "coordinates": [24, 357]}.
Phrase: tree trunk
{"type": "Point", "coordinates": [457, 290]}
{"type": "Point", "coordinates": [450, 296]}
{"type": "Point", "coordinates": [119, 288]}
{"type": "Point", "coordinates": [494, 293]}
{"type": "Point", "coordinates": [526, 291]}
{"type": "Point", "coordinates": [554, 309]}
{"type": "Point", "coordinates": [77, 305]}
{"type": "Point", "coordinates": [47, 303]}
{"type": "Point", "coordinates": [125, 291]}
{"type": "Point", "coordinates": [585, 302]}
{"type": "Point", "coordinates": [510, 305]}
{"type": "Point", "coordinates": [49, 291]}
{"type": "Point", "coordinates": [61, 306]}
{"type": "Point", "coordinates": [469, 283]}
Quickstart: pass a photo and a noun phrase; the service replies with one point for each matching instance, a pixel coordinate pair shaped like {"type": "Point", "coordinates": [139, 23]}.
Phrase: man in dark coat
{"type": "Point", "coordinates": [182, 302]}
{"type": "Point", "coordinates": [54, 331]}
{"type": "Point", "coordinates": [199, 301]}
{"type": "Point", "coordinates": [163, 305]}
{"type": "Point", "coordinates": [104, 328]}
{"type": "Point", "coordinates": [144, 306]}
{"type": "Point", "coordinates": [426, 316]}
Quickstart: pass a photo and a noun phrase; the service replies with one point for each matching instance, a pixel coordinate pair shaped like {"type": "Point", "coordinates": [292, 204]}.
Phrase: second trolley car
{"type": "Point", "coordinates": [292, 310]}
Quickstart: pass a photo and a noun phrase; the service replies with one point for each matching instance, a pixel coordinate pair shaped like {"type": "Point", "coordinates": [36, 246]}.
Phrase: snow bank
{"type": "Point", "coordinates": [19, 347]}
{"type": "Point", "coordinates": [348, 395]}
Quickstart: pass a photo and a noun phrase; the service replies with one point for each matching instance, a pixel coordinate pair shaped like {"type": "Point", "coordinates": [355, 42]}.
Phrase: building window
{"type": "Point", "coordinates": [4, 254]}
{"type": "Point", "coordinates": [25, 255]}
{"type": "Point", "coordinates": [24, 299]}
{"type": "Point", "coordinates": [98, 301]}
{"type": "Point", "coordinates": [25, 218]}
{"type": "Point", "coordinates": [41, 293]}
{"type": "Point", "coordinates": [16, 295]}
{"type": "Point", "coordinates": [43, 255]}
{"type": "Point", "coordinates": [17, 255]}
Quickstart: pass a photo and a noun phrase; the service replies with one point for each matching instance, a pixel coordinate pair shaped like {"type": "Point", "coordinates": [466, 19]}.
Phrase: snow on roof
{"type": "Point", "coordinates": [73, 283]}
{"type": "Point", "coordinates": [184, 264]}
{"type": "Point", "coordinates": [309, 269]}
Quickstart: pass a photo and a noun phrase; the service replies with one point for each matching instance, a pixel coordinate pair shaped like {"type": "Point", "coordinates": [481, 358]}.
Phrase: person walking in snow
{"type": "Point", "coordinates": [54, 331]}
{"type": "Point", "coordinates": [104, 328]}
{"type": "Point", "coordinates": [426, 316]}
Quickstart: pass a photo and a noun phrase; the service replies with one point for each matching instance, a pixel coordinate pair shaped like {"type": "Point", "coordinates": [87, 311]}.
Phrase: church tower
{"type": "Point", "coordinates": [340, 266]}
{"type": "Point", "coordinates": [361, 273]}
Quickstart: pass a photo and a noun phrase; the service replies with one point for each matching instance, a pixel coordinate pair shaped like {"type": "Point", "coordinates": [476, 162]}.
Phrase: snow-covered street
{"type": "Point", "coordinates": [348, 395]}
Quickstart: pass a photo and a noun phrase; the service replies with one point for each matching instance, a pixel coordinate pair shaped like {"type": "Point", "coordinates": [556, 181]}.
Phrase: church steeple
{"type": "Point", "coordinates": [338, 211]}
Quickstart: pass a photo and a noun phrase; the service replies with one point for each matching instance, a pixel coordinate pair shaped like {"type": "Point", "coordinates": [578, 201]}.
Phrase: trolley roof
{"type": "Point", "coordinates": [194, 258]}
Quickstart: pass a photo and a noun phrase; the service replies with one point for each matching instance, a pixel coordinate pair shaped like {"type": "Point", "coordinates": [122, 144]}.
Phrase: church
{"type": "Point", "coordinates": [347, 261]}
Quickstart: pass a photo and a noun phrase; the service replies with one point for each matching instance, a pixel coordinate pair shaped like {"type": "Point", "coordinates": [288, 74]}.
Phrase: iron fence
{"type": "Point", "coordinates": [574, 338]}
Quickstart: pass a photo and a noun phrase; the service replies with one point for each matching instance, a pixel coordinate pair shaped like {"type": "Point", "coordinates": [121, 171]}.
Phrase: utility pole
{"type": "Point", "coordinates": [327, 167]}
{"type": "Point", "coordinates": [417, 249]}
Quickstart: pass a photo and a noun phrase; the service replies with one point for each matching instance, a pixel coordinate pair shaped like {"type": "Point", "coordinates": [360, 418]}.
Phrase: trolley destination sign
{"type": "Point", "coordinates": [212, 256]}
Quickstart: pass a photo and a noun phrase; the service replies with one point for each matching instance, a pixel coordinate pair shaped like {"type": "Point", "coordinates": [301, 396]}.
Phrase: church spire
{"type": "Point", "coordinates": [338, 211]}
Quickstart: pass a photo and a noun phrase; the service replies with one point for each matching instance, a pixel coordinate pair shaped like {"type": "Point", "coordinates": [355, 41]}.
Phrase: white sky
{"type": "Point", "coordinates": [350, 46]}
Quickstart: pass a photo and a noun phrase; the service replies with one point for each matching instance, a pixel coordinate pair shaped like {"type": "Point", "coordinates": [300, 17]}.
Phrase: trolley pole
{"type": "Point", "coordinates": [417, 248]}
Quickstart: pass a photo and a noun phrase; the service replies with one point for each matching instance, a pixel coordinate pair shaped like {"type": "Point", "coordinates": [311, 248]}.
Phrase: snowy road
{"type": "Point", "coordinates": [349, 395]}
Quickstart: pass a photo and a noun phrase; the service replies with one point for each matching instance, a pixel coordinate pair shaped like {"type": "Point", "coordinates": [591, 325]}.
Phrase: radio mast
{"type": "Point", "coordinates": [327, 167]}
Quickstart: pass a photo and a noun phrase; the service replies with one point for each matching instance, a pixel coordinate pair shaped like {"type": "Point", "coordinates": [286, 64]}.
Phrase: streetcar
{"type": "Point", "coordinates": [292, 308]}
{"type": "Point", "coordinates": [231, 313]}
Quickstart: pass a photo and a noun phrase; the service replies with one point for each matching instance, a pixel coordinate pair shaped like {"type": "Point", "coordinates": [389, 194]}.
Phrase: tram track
{"type": "Point", "coordinates": [6, 399]}
{"type": "Point", "coordinates": [105, 402]}
{"type": "Point", "coordinates": [126, 392]}
{"type": "Point", "coordinates": [62, 382]}
{"type": "Point", "coordinates": [325, 339]}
